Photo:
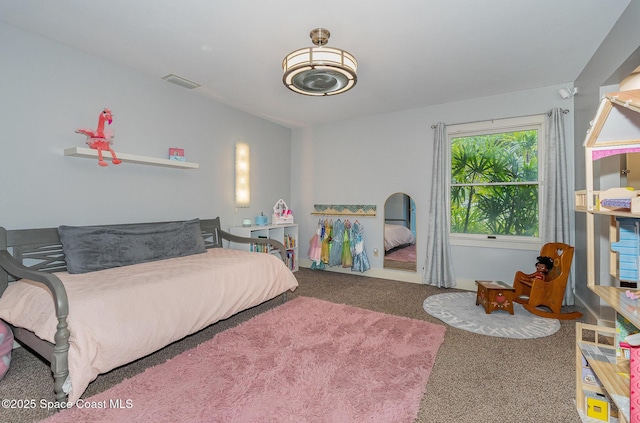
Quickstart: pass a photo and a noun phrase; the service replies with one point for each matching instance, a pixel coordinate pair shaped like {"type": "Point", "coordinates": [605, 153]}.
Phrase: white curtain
{"type": "Point", "coordinates": [438, 269]}
{"type": "Point", "coordinates": [556, 204]}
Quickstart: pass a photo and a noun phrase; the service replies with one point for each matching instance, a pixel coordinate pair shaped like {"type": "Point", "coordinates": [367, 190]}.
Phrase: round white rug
{"type": "Point", "coordinates": [459, 310]}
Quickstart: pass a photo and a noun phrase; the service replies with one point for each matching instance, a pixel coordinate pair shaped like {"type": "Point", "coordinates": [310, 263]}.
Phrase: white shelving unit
{"type": "Point", "coordinates": [607, 136]}
{"type": "Point", "coordinates": [91, 153]}
{"type": "Point", "coordinates": [286, 234]}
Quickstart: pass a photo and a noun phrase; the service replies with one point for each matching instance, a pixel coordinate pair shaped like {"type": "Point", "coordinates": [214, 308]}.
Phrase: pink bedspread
{"type": "Point", "coordinates": [397, 235]}
{"type": "Point", "coordinates": [119, 315]}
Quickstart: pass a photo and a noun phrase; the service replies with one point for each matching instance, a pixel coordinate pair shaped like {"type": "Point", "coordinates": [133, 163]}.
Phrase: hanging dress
{"type": "Point", "coordinates": [346, 258]}
{"type": "Point", "coordinates": [326, 241]}
{"type": "Point", "coordinates": [315, 249]}
{"type": "Point", "coordinates": [360, 259]}
{"type": "Point", "coordinates": [337, 237]}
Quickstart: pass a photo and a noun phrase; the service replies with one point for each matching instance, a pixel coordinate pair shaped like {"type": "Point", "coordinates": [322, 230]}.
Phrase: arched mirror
{"type": "Point", "coordinates": [400, 233]}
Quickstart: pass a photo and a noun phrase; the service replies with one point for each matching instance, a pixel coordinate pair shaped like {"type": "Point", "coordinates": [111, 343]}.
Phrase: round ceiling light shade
{"type": "Point", "coordinates": [319, 71]}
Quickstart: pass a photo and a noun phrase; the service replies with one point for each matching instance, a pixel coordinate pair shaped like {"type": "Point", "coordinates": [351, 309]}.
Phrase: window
{"type": "Point", "coordinates": [496, 180]}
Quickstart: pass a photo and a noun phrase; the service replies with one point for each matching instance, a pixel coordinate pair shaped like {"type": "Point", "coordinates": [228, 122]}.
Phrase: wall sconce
{"type": "Point", "coordinates": [243, 191]}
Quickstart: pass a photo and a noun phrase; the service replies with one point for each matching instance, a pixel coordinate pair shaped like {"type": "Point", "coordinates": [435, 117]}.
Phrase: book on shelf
{"type": "Point", "coordinates": [259, 248]}
{"type": "Point", "coordinates": [291, 260]}
{"type": "Point", "coordinates": [289, 241]}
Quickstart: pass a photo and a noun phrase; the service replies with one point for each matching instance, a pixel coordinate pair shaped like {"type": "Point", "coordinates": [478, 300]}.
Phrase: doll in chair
{"type": "Point", "coordinates": [543, 266]}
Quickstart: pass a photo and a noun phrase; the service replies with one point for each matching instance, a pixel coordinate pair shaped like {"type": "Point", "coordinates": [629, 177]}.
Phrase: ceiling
{"type": "Point", "coordinates": [411, 53]}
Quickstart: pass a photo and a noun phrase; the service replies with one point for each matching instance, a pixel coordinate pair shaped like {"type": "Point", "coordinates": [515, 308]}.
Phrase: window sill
{"type": "Point", "coordinates": [505, 243]}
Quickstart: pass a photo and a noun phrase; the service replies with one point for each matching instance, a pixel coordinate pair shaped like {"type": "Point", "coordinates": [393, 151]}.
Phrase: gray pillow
{"type": "Point", "coordinates": [91, 248]}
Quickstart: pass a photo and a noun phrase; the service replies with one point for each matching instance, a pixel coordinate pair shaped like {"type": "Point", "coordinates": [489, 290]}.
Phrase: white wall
{"type": "Point", "coordinates": [48, 90]}
{"type": "Point", "coordinates": [363, 161]}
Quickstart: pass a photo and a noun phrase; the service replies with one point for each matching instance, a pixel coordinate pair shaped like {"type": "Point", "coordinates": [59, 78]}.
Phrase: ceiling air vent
{"type": "Point", "coordinates": [174, 79]}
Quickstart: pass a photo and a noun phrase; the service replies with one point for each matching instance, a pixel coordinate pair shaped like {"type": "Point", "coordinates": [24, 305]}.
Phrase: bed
{"type": "Point", "coordinates": [397, 236]}
{"type": "Point", "coordinates": [87, 322]}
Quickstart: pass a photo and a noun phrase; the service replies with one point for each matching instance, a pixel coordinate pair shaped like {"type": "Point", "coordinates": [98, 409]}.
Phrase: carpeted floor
{"type": "Point", "coordinates": [407, 266]}
{"type": "Point", "coordinates": [407, 254]}
{"type": "Point", "coordinates": [475, 379]}
{"type": "Point", "coordinates": [401, 259]}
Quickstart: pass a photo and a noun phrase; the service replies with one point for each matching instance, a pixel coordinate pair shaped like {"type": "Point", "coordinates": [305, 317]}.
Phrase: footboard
{"type": "Point", "coordinates": [36, 254]}
{"type": "Point", "coordinates": [46, 257]}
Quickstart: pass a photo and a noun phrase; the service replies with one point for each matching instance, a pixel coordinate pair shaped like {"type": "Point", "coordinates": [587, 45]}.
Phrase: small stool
{"type": "Point", "coordinates": [495, 295]}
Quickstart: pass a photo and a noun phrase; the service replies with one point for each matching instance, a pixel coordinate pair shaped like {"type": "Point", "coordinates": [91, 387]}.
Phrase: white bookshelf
{"type": "Point", "coordinates": [286, 234]}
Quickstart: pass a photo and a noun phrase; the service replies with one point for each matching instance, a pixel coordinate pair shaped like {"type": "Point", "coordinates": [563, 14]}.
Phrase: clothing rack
{"type": "Point", "coordinates": [341, 214]}
{"type": "Point", "coordinates": [565, 111]}
{"type": "Point", "coordinates": [339, 243]}
{"type": "Point", "coordinates": [361, 210]}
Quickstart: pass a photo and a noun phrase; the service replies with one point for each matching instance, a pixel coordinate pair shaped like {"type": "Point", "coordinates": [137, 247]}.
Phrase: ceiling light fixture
{"type": "Point", "coordinates": [319, 71]}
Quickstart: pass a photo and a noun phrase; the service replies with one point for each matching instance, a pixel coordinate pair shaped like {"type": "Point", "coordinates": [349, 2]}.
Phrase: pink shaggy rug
{"type": "Point", "coordinates": [307, 360]}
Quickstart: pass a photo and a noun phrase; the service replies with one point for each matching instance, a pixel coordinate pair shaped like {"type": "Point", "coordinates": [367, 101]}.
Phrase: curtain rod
{"type": "Point", "coordinates": [565, 111]}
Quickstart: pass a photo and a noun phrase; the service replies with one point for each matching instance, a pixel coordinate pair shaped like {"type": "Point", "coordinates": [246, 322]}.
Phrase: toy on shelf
{"type": "Point", "coordinates": [281, 213]}
{"type": "Point", "coordinates": [633, 342]}
{"type": "Point", "coordinates": [619, 199]}
{"type": "Point", "coordinates": [176, 154]}
{"type": "Point", "coordinates": [101, 139]}
{"type": "Point", "coordinates": [627, 248]}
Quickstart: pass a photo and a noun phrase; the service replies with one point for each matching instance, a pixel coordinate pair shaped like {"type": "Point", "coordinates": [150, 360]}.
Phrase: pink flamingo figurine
{"type": "Point", "coordinates": [100, 141]}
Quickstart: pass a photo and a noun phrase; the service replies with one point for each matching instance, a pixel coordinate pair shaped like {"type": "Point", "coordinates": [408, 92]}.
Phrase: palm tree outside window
{"type": "Point", "coordinates": [495, 179]}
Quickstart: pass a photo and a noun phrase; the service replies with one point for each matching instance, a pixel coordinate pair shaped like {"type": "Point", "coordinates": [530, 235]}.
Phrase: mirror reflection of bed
{"type": "Point", "coordinates": [400, 233]}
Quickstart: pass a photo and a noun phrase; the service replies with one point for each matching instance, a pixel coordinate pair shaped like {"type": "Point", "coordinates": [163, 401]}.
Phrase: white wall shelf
{"type": "Point", "coordinates": [90, 153]}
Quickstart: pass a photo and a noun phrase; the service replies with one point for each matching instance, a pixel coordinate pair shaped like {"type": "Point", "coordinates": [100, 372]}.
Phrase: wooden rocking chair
{"type": "Point", "coordinates": [549, 293]}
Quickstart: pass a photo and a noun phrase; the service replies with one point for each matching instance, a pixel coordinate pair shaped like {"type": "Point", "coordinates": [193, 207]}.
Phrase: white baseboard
{"type": "Point", "coordinates": [396, 275]}
{"type": "Point", "coordinates": [592, 317]}
{"type": "Point", "coordinates": [466, 284]}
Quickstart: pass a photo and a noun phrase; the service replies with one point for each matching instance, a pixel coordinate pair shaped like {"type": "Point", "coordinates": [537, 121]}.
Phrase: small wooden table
{"type": "Point", "coordinates": [495, 295]}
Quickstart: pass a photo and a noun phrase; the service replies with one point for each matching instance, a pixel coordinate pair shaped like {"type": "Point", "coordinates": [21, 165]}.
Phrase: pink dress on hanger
{"type": "Point", "coordinates": [315, 247]}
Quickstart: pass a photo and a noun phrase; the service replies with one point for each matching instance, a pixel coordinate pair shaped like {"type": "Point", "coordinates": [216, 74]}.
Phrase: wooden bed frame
{"type": "Point", "coordinates": [36, 254]}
